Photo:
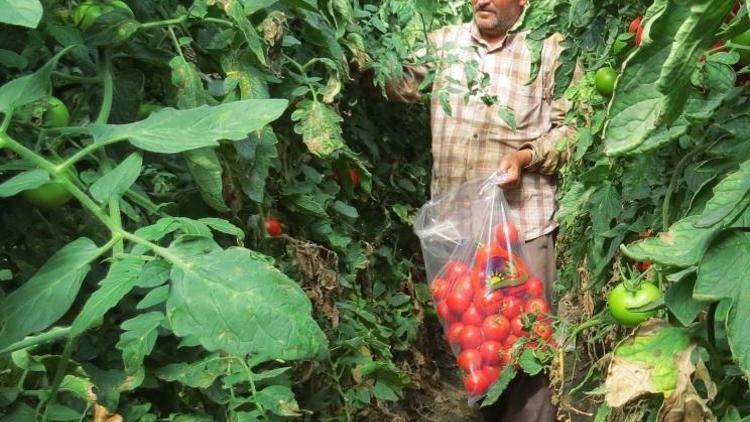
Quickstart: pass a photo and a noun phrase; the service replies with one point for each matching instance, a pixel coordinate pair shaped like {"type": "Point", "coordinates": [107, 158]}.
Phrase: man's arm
{"type": "Point", "coordinates": [549, 152]}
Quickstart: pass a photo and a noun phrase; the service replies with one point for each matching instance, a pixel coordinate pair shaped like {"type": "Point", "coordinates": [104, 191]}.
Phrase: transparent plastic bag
{"type": "Point", "coordinates": [482, 289]}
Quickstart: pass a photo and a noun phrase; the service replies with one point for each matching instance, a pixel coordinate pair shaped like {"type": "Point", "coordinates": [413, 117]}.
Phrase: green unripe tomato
{"type": "Point", "coordinates": [56, 115]}
{"type": "Point", "coordinates": [620, 300]}
{"type": "Point", "coordinates": [744, 40]}
{"type": "Point", "coordinates": [88, 12]}
{"type": "Point", "coordinates": [604, 80]}
{"type": "Point", "coordinates": [49, 195]}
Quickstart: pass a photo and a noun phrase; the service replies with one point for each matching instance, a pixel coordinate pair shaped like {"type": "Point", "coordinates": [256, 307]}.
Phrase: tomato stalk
{"type": "Point", "coordinates": [104, 162]}
{"type": "Point", "coordinates": [31, 341]}
{"type": "Point", "coordinates": [253, 390]}
{"type": "Point", "coordinates": [166, 22]}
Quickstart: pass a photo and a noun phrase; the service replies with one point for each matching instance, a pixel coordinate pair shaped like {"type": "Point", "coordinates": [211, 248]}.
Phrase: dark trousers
{"type": "Point", "coordinates": [529, 398]}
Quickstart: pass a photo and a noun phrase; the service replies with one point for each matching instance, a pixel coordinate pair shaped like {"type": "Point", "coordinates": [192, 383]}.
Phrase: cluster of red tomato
{"type": "Point", "coordinates": [486, 309]}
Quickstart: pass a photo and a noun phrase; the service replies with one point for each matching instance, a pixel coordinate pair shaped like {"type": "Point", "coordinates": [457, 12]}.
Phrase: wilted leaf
{"type": "Point", "coordinates": [320, 127]}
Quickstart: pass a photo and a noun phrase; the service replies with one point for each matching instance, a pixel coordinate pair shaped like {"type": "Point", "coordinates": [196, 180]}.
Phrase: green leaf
{"type": "Point", "coordinates": [50, 292]}
{"type": "Point", "coordinates": [187, 81]}
{"type": "Point", "coordinates": [138, 339]}
{"type": "Point", "coordinates": [60, 413]}
{"type": "Point", "coordinates": [258, 154]}
{"type": "Point", "coordinates": [31, 179]}
{"type": "Point", "coordinates": [233, 301]}
{"type": "Point", "coordinates": [170, 131]}
{"type": "Point", "coordinates": [345, 209]}
{"type": "Point", "coordinates": [223, 226]}
{"type": "Point", "coordinates": [652, 89]}
{"type": "Point", "coordinates": [278, 399]}
{"type": "Point", "coordinates": [26, 13]}
{"type": "Point", "coordinates": [235, 11]}
{"type": "Point", "coordinates": [680, 301]}
{"type": "Point", "coordinates": [686, 240]}
{"type": "Point", "coordinates": [203, 164]}
{"type": "Point", "coordinates": [529, 363]}
{"type": "Point", "coordinates": [506, 376]}
{"type": "Point", "coordinates": [119, 282]}
{"type": "Point", "coordinates": [384, 392]}
{"type": "Point", "coordinates": [117, 181]}
{"type": "Point", "coordinates": [200, 374]}
{"type": "Point", "coordinates": [320, 127]}
{"type": "Point", "coordinates": [29, 88]}
{"type": "Point", "coordinates": [154, 274]}
{"type": "Point", "coordinates": [722, 274]}
{"type": "Point", "coordinates": [154, 297]}
{"type": "Point", "coordinates": [80, 387]}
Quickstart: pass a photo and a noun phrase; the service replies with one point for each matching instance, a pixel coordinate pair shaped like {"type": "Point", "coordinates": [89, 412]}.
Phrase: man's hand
{"type": "Point", "coordinates": [512, 165]}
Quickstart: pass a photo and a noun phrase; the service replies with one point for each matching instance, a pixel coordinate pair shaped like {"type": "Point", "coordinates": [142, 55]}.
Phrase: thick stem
{"type": "Point", "coordinates": [107, 87]}
{"type": "Point", "coordinates": [166, 22]}
{"type": "Point", "coordinates": [6, 123]}
{"type": "Point", "coordinates": [85, 151]}
{"type": "Point", "coordinates": [59, 375]}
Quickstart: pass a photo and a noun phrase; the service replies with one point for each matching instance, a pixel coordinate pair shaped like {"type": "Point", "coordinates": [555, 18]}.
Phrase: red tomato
{"type": "Point", "coordinates": [490, 303]}
{"type": "Point", "coordinates": [643, 265]}
{"type": "Point", "coordinates": [510, 340]}
{"type": "Point", "coordinates": [537, 307]}
{"type": "Point", "coordinates": [463, 284]}
{"type": "Point", "coordinates": [454, 330]}
{"type": "Point", "coordinates": [531, 345]}
{"type": "Point", "coordinates": [490, 351]}
{"type": "Point", "coordinates": [458, 301]}
{"type": "Point", "coordinates": [470, 337]}
{"type": "Point", "coordinates": [472, 316]}
{"type": "Point", "coordinates": [439, 289]}
{"type": "Point", "coordinates": [543, 329]}
{"type": "Point", "coordinates": [273, 227]}
{"type": "Point", "coordinates": [511, 306]}
{"type": "Point", "coordinates": [478, 281]}
{"type": "Point", "coordinates": [470, 360]}
{"type": "Point", "coordinates": [516, 327]}
{"type": "Point", "coordinates": [354, 175]}
{"type": "Point", "coordinates": [506, 235]}
{"type": "Point", "coordinates": [634, 25]}
{"type": "Point", "coordinates": [491, 372]}
{"type": "Point", "coordinates": [487, 252]}
{"type": "Point", "coordinates": [476, 383]}
{"type": "Point", "coordinates": [535, 287]}
{"type": "Point", "coordinates": [639, 36]}
{"type": "Point", "coordinates": [454, 269]}
{"type": "Point", "coordinates": [495, 327]}
{"type": "Point", "coordinates": [444, 311]}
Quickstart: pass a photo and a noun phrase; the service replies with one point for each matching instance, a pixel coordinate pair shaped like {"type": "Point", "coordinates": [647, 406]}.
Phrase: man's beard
{"type": "Point", "coordinates": [494, 24]}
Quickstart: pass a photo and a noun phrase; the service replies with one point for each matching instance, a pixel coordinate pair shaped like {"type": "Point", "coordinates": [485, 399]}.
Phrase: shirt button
{"type": "Point", "coordinates": [476, 136]}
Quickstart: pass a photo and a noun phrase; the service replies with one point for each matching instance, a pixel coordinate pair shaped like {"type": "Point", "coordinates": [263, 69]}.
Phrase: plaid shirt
{"type": "Point", "coordinates": [469, 142]}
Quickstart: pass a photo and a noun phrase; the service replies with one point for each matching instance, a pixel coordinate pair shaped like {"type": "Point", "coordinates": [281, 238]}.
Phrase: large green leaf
{"type": "Point", "coordinates": [29, 88]}
{"type": "Point", "coordinates": [170, 131]}
{"type": "Point", "coordinates": [21, 12]}
{"type": "Point", "coordinates": [138, 340]}
{"type": "Point", "coordinates": [120, 280]}
{"type": "Point", "coordinates": [722, 274]}
{"type": "Point", "coordinates": [686, 240]}
{"type": "Point", "coordinates": [651, 91]}
{"type": "Point", "coordinates": [231, 300]}
{"type": "Point", "coordinates": [47, 296]}
{"type": "Point", "coordinates": [117, 181]}
{"type": "Point", "coordinates": [23, 181]}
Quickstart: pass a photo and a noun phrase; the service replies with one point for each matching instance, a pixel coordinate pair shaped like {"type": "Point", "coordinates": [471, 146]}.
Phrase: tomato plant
{"type": "Point", "coordinates": [604, 79]}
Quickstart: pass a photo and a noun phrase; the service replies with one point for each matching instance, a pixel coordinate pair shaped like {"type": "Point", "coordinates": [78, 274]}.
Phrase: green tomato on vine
{"type": "Point", "coordinates": [88, 12]}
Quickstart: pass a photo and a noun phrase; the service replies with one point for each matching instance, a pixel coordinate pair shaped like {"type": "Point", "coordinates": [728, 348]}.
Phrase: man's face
{"type": "Point", "coordinates": [496, 17]}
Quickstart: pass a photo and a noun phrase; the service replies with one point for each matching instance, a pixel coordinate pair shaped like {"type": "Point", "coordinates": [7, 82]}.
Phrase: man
{"type": "Point", "coordinates": [475, 139]}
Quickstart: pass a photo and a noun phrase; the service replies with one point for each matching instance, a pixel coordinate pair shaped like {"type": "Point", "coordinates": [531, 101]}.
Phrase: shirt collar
{"type": "Point", "coordinates": [477, 37]}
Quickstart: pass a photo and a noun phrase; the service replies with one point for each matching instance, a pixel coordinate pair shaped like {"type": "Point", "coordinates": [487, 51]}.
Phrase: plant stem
{"type": "Point", "coordinates": [104, 162]}
{"type": "Point", "coordinates": [166, 22]}
{"type": "Point", "coordinates": [73, 78]}
{"type": "Point", "coordinates": [176, 43]}
{"type": "Point", "coordinates": [219, 21]}
{"type": "Point", "coordinates": [59, 375]}
{"type": "Point", "coordinates": [83, 152]}
{"type": "Point", "coordinates": [253, 391]}
{"type": "Point", "coordinates": [31, 341]}
{"type": "Point", "coordinates": [6, 123]}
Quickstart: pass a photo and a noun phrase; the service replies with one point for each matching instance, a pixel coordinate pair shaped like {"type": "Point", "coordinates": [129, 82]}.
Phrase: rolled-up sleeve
{"type": "Point", "coordinates": [550, 151]}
